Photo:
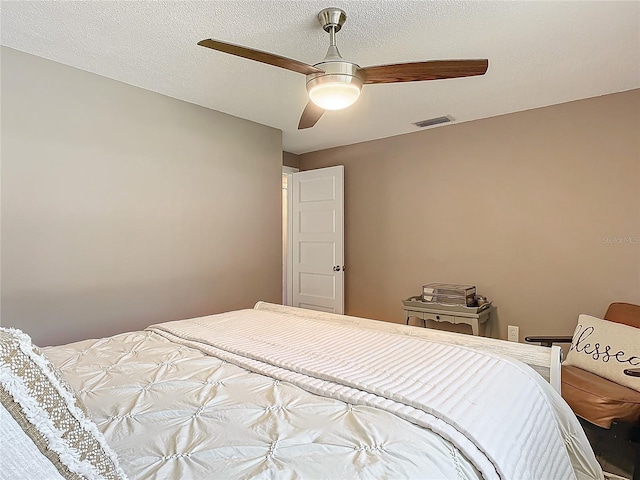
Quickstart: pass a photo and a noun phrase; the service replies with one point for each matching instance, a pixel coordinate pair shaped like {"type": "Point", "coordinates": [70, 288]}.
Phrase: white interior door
{"type": "Point", "coordinates": [317, 239]}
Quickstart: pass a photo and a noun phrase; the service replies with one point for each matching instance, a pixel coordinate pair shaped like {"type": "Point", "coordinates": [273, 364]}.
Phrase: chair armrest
{"type": "Point", "coordinates": [632, 372]}
{"type": "Point", "coordinates": [547, 341]}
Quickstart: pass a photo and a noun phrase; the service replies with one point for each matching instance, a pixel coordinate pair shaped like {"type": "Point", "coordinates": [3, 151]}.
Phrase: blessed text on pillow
{"type": "Point", "coordinates": [606, 349]}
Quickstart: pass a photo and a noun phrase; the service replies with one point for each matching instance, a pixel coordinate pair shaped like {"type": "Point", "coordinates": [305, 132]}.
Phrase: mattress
{"type": "Point", "coordinates": [172, 412]}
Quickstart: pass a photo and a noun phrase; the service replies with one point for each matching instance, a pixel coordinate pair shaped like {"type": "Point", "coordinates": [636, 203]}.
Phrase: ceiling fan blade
{"type": "Point", "coordinates": [259, 56]}
{"type": "Point", "coordinates": [418, 71]}
{"type": "Point", "coordinates": [310, 115]}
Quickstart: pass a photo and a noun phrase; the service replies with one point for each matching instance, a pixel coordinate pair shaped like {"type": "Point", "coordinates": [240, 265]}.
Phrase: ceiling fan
{"type": "Point", "coordinates": [334, 83]}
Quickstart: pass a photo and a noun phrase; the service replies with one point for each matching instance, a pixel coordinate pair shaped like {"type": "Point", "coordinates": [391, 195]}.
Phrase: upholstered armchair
{"type": "Point", "coordinates": [596, 399]}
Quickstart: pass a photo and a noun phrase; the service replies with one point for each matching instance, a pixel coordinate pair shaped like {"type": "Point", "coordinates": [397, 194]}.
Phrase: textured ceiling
{"type": "Point", "coordinates": [540, 53]}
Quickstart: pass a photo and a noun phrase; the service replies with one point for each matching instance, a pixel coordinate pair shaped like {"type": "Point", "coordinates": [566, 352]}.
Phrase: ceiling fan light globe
{"type": "Point", "coordinates": [334, 96]}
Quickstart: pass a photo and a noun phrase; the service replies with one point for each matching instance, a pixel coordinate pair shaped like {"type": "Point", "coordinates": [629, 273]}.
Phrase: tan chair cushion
{"type": "Point", "coordinates": [598, 400]}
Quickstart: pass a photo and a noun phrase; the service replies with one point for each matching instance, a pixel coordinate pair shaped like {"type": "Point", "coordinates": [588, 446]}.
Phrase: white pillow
{"type": "Point", "coordinates": [606, 349]}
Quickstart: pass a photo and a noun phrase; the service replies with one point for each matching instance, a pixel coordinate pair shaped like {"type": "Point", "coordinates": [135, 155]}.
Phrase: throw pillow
{"type": "Point", "coordinates": [606, 349]}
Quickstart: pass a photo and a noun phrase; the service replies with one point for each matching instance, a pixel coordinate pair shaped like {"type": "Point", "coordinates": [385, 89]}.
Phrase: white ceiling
{"type": "Point", "coordinates": [540, 53]}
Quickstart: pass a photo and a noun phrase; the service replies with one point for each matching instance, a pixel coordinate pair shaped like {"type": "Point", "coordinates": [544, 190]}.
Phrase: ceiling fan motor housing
{"type": "Point", "coordinates": [335, 71]}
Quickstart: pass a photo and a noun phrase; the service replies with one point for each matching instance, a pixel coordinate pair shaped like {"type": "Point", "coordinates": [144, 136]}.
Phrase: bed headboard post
{"type": "Point", "coordinates": [554, 367]}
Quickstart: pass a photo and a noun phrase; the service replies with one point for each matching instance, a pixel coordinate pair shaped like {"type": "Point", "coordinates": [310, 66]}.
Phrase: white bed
{"type": "Point", "coordinates": [277, 392]}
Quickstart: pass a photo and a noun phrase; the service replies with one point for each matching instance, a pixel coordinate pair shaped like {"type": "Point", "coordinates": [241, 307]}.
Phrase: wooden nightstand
{"type": "Point", "coordinates": [445, 315]}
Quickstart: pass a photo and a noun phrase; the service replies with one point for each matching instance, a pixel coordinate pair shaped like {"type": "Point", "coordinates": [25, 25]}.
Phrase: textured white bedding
{"type": "Point", "coordinates": [172, 412]}
{"type": "Point", "coordinates": [25, 461]}
{"type": "Point", "coordinates": [498, 412]}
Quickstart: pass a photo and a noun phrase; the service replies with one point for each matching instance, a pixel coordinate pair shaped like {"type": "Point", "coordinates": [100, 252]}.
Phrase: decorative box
{"type": "Point", "coordinates": [449, 294]}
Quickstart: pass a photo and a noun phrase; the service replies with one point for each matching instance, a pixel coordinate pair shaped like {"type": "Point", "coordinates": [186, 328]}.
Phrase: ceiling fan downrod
{"type": "Point", "coordinates": [332, 20]}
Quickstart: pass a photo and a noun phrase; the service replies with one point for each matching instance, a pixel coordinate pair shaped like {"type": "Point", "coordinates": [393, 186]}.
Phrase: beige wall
{"type": "Point", "coordinates": [122, 207]}
{"type": "Point", "coordinates": [290, 160]}
{"type": "Point", "coordinates": [539, 209]}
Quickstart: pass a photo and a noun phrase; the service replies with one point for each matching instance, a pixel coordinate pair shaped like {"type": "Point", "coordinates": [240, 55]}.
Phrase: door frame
{"type": "Point", "coordinates": [287, 271]}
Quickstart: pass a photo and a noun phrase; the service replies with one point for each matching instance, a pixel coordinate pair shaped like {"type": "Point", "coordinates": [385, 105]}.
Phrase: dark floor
{"type": "Point", "coordinates": [613, 448]}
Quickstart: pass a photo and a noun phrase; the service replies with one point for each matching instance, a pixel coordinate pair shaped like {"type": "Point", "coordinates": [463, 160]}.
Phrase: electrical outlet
{"type": "Point", "coordinates": [513, 333]}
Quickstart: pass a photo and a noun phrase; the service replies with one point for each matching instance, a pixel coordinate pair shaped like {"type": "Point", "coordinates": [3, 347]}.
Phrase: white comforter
{"type": "Point", "coordinates": [171, 412]}
{"type": "Point", "coordinates": [499, 413]}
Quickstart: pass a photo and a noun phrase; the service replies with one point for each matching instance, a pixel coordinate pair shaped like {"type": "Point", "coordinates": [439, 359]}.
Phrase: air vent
{"type": "Point", "coordinates": [433, 121]}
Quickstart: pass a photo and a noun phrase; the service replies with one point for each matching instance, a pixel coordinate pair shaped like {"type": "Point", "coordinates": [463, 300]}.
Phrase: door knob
{"type": "Point", "coordinates": [336, 268]}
